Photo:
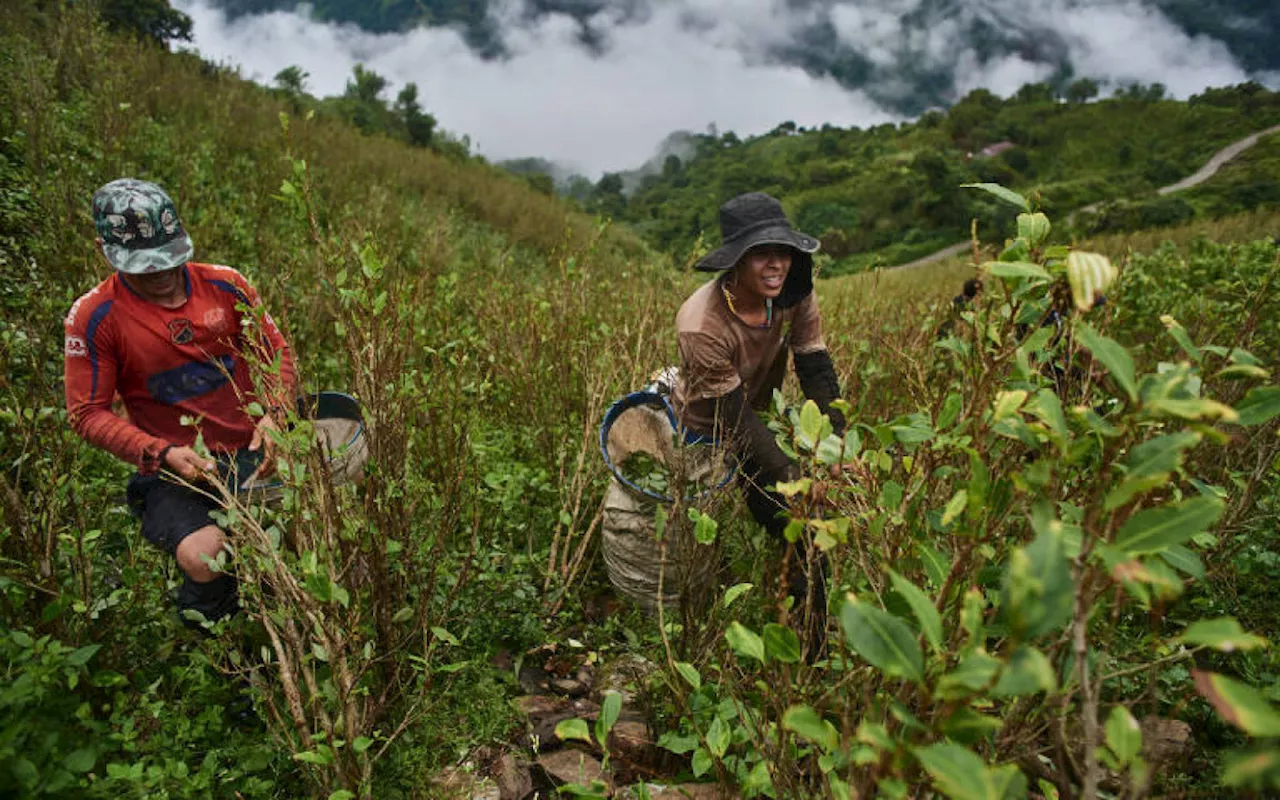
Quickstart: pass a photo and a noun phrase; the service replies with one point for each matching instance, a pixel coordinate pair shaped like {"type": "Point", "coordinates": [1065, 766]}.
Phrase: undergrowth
{"type": "Point", "coordinates": [485, 327]}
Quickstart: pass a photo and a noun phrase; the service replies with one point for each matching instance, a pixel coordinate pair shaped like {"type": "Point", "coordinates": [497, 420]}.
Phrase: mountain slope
{"type": "Point", "coordinates": [891, 194]}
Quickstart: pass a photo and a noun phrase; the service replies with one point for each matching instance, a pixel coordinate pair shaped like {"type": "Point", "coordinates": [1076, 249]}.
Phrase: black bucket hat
{"type": "Point", "coordinates": [756, 218]}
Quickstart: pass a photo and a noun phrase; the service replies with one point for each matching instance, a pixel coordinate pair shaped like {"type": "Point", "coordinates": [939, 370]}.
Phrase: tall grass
{"type": "Point", "coordinates": [483, 326]}
{"type": "Point", "coordinates": [475, 319]}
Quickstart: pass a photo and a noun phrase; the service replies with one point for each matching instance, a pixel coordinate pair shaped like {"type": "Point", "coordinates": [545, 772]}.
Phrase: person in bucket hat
{"type": "Point", "coordinates": [735, 336]}
{"type": "Point", "coordinates": [173, 339]}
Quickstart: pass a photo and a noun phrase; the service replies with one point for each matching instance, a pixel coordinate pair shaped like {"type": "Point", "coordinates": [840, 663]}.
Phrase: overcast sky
{"type": "Point", "coordinates": [686, 64]}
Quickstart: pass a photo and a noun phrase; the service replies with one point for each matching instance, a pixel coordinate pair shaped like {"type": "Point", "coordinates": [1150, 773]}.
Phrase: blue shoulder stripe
{"type": "Point", "coordinates": [230, 288]}
{"type": "Point", "coordinates": [91, 331]}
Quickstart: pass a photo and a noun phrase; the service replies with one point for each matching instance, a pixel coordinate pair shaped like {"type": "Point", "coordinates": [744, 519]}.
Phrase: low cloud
{"type": "Point", "coordinates": [653, 68]}
{"type": "Point", "coordinates": [552, 96]}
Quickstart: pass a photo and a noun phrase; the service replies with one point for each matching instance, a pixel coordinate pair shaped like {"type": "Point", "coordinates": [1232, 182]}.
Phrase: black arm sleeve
{"type": "Point", "coordinates": [818, 381]}
{"type": "Point", "coordinates": [748, 437]}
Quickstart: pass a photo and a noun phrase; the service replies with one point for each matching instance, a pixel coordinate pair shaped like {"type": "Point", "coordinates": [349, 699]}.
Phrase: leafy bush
{"type": "Point", "coordinates": [1007, 557]}
{"type": "Point", "coordinates": [485, 327]}
{"type": "Point", "coordinates": [48, 735]}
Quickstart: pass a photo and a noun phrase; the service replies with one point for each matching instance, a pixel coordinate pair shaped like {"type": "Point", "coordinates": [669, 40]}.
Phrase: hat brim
{"type": "Point", "coordinates": [169, 255]}
{"type": "Point", "coordinates": [729, 253]}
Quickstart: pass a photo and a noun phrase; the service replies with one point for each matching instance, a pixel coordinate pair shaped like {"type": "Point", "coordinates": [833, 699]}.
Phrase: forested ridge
{"type": "Point", "coordinates": [877, 196]}
{"type": "Point", "coordinates": [1052, 525]}
{"type": "Point", "coordinates": [888, 194]}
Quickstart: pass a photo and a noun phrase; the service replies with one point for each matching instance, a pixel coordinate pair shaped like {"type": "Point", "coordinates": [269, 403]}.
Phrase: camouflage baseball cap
{"type": "Point", "coordinates": [139, 227]}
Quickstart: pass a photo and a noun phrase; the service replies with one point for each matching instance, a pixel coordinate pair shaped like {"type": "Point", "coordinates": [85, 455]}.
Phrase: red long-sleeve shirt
{"type": "Point", "coordinates": [167, 363]}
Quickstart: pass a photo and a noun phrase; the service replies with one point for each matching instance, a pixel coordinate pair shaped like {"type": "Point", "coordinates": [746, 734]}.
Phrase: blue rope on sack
{"type": "Point", "coordinates": [647, 397]}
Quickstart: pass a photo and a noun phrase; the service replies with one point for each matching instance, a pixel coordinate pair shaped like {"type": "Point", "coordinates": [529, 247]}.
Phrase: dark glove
{"type": "Point", "coordinates": [818, 381]}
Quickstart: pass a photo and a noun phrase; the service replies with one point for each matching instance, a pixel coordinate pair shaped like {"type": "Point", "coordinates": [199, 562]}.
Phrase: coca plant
{"type": "Point", "coordinates": [1003, 561]}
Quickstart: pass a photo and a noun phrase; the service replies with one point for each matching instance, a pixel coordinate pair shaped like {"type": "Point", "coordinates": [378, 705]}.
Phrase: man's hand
{"type": "Point", "coordinates": [262, 440]}
{"type": "Point", "coordinates": [187, 463]}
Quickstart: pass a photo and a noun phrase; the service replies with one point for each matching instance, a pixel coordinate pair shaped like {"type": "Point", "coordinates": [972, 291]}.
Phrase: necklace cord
{"type": "Point", "coordinates": [768, 307]}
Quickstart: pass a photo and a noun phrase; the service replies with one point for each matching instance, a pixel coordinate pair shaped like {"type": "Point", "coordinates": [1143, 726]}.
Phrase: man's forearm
{"type": "Point", "coordinates": [98, 426]}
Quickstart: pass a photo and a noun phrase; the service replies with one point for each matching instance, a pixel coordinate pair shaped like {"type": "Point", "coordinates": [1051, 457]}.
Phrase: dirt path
{"type": "Point", "coordinates": [933, 258]}
{"type": "Point", "coordinates": [1201, 175]}
{"type": "Point", "coordinates": [1214, 164]}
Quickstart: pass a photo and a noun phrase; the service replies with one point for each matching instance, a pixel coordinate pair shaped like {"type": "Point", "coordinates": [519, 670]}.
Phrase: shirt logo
{"type": "Point", "coordinates": [215, 319]}
{"type": "Point", "coordinates": [180, 331]}
{"type": "Point", "coordinates": [76, 347]}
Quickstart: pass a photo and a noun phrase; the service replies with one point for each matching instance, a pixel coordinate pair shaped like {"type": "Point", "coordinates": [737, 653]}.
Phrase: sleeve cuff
{"type": "Point", "coordinates": [152, 458]}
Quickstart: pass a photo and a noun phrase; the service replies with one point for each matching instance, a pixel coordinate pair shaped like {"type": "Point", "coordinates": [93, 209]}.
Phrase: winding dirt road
{"type": "Point", "coordinates": [1214, 164]}
{"type": "Point", "coordinates": [1201, 175]}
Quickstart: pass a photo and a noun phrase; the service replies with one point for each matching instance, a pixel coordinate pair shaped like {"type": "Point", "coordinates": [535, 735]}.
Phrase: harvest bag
{"type": "Point", "coordinates": [644, 422]}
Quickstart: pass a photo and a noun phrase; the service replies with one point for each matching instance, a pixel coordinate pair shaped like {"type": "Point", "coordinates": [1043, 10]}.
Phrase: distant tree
{"type": "Point", "coordinates": [365, 85]}
{"type": "Point", "coordinates": [933, 118]}
{"type": "Point", "coordinates": [1143, 94]}
{"type": "Point", "coordinates": [671, 165]}
{"type": "Point", "coordinates": [541, 182]}
{"type": "Point", "coordinates": [1082, 91]}
{"type": "Point", "coordinates": [292, 80]}
{"type": "Point", "coordinates": [968, 120]}
{"type": "Point", "coordinates": [609, 183]}
{"type": "Point", "coordinates": [1247, 96]}
{"type": "Point", "coordinates": [649, 181]}
{"type": "Point", "coordinates": [419, 126]}
{"type": "Point", "coordinates": [983, 98]}
{"type": "Point", "coordinates": [829, 142]}
{"type": "Point", "coordinates": [607, 196]}
{"type": "Point", "coordinates": [579, 187]}
{"type": "Point", "coordinates": [1160, 171]}
{"type": "Point", "coordinates": [1163, 212]}
{"type": "Point", "coordinates": [940, 201]}
{"type": "Point", "coordinates": [1034, 93]}
{"type": "Point", "coordinates": [1018, 160]}
{"type": "Point", "coordinates": [993, 170]}
{"type": "Point", "coordinates": [821, 218]}
{"type": "Point", "coordinates": [152, 19]}
{"type": "Point", "coordinates": [361, 105]}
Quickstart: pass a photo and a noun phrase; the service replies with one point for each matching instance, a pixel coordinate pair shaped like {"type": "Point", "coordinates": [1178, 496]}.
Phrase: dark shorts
{"type": "Point", "coordinates": [170, 512]}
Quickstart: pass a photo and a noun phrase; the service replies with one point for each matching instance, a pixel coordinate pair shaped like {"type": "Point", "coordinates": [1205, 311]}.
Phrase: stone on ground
{"type": "Point", "coordinates": [571, 766]}
{"type": "Point", "coordinates": [456, 783]}
{"type": "Point", "coordinates": [1165, 742]}
{"type": "Point", "coordinates": [512, 778]}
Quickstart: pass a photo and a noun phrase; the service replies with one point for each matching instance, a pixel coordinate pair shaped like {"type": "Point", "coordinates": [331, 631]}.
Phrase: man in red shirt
{"type": "Point", "coordinates": [173, 339]}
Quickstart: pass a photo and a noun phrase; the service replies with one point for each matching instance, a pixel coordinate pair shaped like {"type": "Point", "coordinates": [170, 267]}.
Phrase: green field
{"type": "Point", "coordinates": [1037, 543]}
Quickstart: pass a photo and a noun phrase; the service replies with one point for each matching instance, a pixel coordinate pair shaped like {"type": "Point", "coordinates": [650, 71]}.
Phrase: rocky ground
{"type": "Point", "coordinates": [562, 687]}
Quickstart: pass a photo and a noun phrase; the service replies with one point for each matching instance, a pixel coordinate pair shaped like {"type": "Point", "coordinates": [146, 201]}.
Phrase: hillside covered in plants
{"type": "Point", "coordinates": [890, 194]}
{"type": "Point", "coordinates": [1052, 548]}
